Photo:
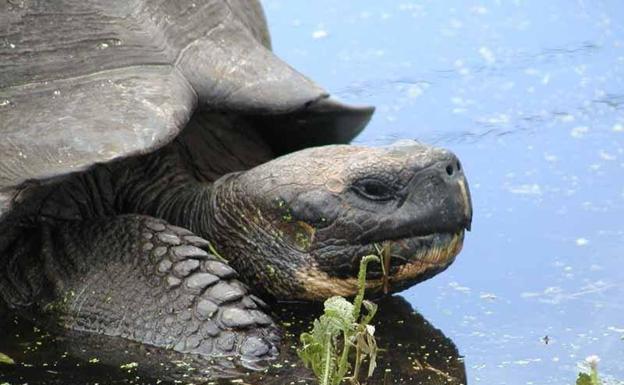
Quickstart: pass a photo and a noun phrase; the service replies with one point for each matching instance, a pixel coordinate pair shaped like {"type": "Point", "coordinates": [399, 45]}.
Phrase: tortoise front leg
{"type": "Point", "coordinates": [143, 279]}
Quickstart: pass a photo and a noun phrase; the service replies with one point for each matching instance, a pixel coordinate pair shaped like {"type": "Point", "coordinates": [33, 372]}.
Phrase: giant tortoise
{"type": "Point", "coordinates": [141, 140]}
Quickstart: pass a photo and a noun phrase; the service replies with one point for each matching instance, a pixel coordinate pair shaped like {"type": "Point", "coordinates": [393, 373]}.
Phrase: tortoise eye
{"type": "Point", "coordinates": [374, 189]}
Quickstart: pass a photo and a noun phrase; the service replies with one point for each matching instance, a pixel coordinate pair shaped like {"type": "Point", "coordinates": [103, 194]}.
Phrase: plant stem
{"type": "Point", "coordinates": [328, 358]}
{"type": "Point", "coordinates": [593, 374]}
{"type": "Point", "coordinates": [358, 364]}
{"type": "Point", "coordinates": [342, 367]}
{"type": "Point", "coordinates": [357, 303]}
{"type": "Point", "coordinates": [215, 253]}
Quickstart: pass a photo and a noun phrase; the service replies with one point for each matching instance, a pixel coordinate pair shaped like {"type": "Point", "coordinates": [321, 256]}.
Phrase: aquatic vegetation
{"type": "Point", "coordinates": [6, 360]}
{"type": "Point", "coordinates": [591, 378]}
{"type": "Point", "coordinates": [129, 366]}
{"type": "Point", "coordinates": [338, 330]}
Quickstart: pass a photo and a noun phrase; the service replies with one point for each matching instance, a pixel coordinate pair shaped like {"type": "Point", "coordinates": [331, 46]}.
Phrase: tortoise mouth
{"type": "Point", "coordinates": [410, 257]}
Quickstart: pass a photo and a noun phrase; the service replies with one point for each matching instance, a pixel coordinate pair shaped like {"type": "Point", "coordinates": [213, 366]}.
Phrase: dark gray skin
{"type": "Point", "coordinates": [118, 167]}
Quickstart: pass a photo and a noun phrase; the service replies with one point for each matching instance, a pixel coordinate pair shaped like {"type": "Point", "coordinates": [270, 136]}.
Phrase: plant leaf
{"type": "Point", "coordinates": [583, 379]}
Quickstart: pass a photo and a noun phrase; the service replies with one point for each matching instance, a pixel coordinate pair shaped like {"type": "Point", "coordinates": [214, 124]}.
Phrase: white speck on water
{"type": "Point", "coordinates": [479, 10]}
{"type": "Point", "coordinates": [582, 241]}
{"type": "Point", "coordinates": [579, 132]}
{"type": "Point", "coordinates": [550, 158]}
{"type": "Point", "coordinates": [618, 127]}
{"type": "Point", "coordinates": [506, 86]}
{"type": "Point", "coordinates": [497, 119]}
{"type": "Point", "coordinates": [57, 92]}
{"type": "Point", "coordinates": [566, 118]}
{"type": "Point", "coordinates": [102, 45]}
{"type": "Point", "coordinates": [487, 55]}
{"type": "Point", "coordinates": [11, 45]}
{"type": "Point", "coordinates": [415, 90]}
{"type": "Point", "coordinates": [531, 71]}
{"type": "Point", "coordinates": [319, 34]}
{"type": "Point", "coordinates": [527, 361]}
{"type": "Point", "coordinates": [4, 102]}
{"type": "Point", "coordinates": [488, 296]}
{"type": "Point", "coordinates": [526, 189]}
{"type": "Point", "coordinates": [606, 156]}
{"type": "Point", "coordinates": [459, 66]}
{"type": "Point", "coordinates": [456, 24]}
{"type": "Point", "coordinates": [546, 79]}
{"type": "Point", "coordinates": [460, 288]}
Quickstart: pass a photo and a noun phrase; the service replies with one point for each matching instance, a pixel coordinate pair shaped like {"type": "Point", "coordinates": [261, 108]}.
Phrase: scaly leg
{"type": "Point", "coordinates": [140, 278]}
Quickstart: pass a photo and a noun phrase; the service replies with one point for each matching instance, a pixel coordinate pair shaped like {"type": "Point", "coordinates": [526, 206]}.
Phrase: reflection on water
{"type": "Point", "coordinates": [412, 352]}
{"type": "Point", "coordinates": [530, 95]}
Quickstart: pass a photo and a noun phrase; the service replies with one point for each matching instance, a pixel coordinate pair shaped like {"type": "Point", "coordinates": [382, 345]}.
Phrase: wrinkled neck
{"type": "Point", "coordinates": [227, 214]}
{"type": "Point", "coordinates": [243, 233]}
{"type": "Point", "coordinates": [163, 186]}
{"type": "Point", "coordinates": [189, 206]}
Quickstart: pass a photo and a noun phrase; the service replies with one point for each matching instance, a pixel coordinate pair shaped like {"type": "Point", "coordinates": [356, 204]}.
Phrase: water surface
{"type": "Point", "coordinates": [530, 95]}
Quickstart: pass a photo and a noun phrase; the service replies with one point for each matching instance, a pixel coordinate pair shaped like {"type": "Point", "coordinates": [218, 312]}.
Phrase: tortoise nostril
{"type": "Point", "coordinates": [458, 166]}
{"type": "Point", "coordinates": [449, 169]}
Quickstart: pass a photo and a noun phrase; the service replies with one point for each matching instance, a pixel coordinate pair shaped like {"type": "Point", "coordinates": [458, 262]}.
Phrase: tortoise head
{"type": "Point", "coordinates": [297, 226]}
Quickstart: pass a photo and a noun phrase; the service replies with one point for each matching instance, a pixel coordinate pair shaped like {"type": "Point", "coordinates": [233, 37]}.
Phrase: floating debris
{"type": "Point", "coordinates": [579, 132]}
{"type": "Point", "coordinates": [319, 34]}
{"type": "Point", "coordinates": [130, 365]}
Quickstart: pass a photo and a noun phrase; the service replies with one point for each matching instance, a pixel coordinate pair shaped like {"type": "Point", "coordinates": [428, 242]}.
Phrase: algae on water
{"type": "Point", "coordinates": [6, 360]}
{"type": "Point", "coordinates": [326, 349]}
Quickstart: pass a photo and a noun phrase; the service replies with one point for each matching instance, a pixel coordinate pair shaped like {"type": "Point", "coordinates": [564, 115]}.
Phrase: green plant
{"type": "Point", "coordinates": [326, 349]}
{"type": "Point", "coordinates": [591, 378]}
{"type": "Point", "coordinates": [384, 254]}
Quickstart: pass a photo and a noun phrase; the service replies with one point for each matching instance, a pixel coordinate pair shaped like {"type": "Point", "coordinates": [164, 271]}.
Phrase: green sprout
{"type": "Point", "coordinates": [591, 378]}
{"type": "Point", "coordinates": [338, 330]}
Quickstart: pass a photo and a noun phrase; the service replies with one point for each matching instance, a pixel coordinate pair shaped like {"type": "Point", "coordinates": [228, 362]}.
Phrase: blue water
{"type": "Point", "coordinates": [530, 95]}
